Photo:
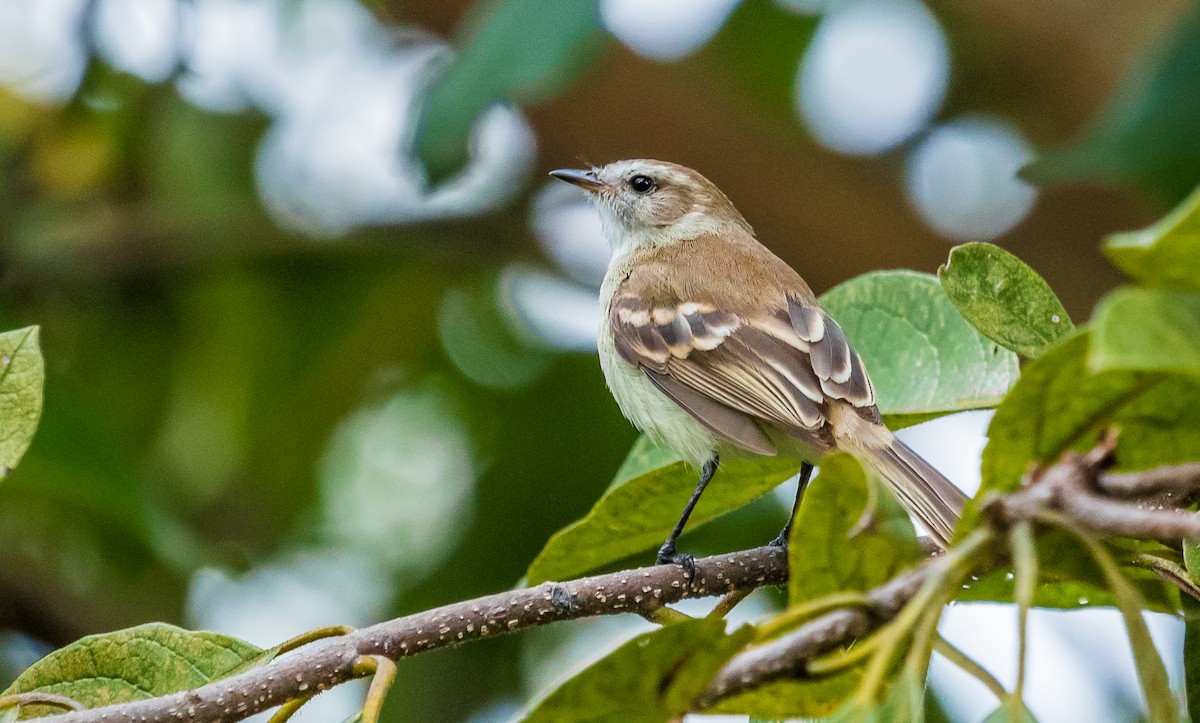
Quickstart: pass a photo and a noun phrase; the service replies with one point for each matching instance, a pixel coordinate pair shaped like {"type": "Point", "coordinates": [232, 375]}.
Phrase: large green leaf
{"type": "Point", "coordinates": [1147, 133]}
{"type": "Point", "coordinates": [652, 678]}
{"type": "Point", "coordinates": [1167, 254]}
{"type": "Point", "coordinates": [22, 376]}
{"type": "Point", "coordinates": [823, 558]}
{"type": "Point", "coordinates": [923, 357]}
{"type": "Point", "coordinates": [1004, 298]}
{"type": "Point", "coordinates": [134, 664]}
{"type": "Point", "coordinates": [1059, 405]}
{"type": "Point", "coordinates": [643, 503]}
{"type": "Point", "coordinates": [519, 49]}
{"type": "Point", "coordinates": [1146, 329]}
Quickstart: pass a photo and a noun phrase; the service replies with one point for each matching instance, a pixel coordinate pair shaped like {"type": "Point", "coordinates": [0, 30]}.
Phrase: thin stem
{"type": "Point", "coordinates": [1025, 570]}
{"type": "Point", "coordinates": [844, 659]}
{"type": "Point", "coordinates": [797, 615]}
{"type": "Point", "coordinates": [969, 666]}
{"type": "Point", "coordinates": [288, 709]}
{"type": "Point", "coordinates": [666, 616]}
{"type": "Point", "coordinates": [900, 628]}
{"type": "Point", "coordinates": [383, 672]}
{"type": "Point", "coordinates": [329, 631]}
{"type": "Point", "coordinates": [726, 604]}
{"type": "Point", "coordinates": [40, 698]}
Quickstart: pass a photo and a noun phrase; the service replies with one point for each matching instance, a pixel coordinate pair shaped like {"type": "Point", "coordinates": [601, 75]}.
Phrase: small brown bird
{"type": "Point", "coordinates": [713, 345]}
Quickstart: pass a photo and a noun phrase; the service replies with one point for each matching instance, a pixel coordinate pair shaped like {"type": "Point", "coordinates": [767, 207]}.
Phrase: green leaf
{"type": "Point", "coordinates": [1059, 405]}
{"type": "Point", "coordinates": [652, 678]}
{"type": "Point", "coordinates": [823, 558]}
{"type": "Point", "coordinates": [1146, 329]}
{"type": "Point", "coordinates": [923, 357]}
{"type": "Point", "coordinates": [1146, 134]}
{"type": "Point", "coordinates": [520, 49]}
{"type": "Point", "coordinates": [642, 504]}
{"type": "Point", "coordinates": [1167, 254]}
{"type": "Point", "coordinates": [134, 664]}
{"type": "Point", "coordinates": [1191, 559]}
{"type": "Point", "coordinates": [788, 699]}
{"type": "Point", "coordinates": [1004, 298]}
{"type": "Point", "coordinates": [22, 376]}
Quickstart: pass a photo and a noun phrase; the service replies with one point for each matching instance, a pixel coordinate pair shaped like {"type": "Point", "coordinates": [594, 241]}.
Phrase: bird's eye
{"type": "Point", "coordinates": [641, 184]}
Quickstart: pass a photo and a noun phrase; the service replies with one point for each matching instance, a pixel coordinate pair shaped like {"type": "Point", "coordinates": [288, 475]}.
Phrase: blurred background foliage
{"type": "Point", "coordinates": [319, 333]}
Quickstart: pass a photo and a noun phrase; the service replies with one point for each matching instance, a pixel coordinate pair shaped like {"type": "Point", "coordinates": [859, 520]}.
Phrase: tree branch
{"type": "Point", "coordinates": [1075, 488]}
{"type": "Point", "coordinates": [324, 664]}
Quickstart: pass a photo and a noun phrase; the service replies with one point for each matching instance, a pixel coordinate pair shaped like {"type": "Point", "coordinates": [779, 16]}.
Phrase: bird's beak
{"type": "Point", "coordinates": [584, 179]}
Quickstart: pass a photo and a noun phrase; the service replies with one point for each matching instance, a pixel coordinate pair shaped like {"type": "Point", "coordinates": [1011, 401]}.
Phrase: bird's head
{"type": "Point", "coordinates": [645, 203]}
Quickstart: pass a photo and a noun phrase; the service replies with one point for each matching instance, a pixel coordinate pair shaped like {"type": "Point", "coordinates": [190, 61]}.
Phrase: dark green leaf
{"type": "Point", "coordinates": [823, 558]}
{"type": "Point", "coordinates": [652, 678]}
{"type": "Point", "coordinates": [1166, 254]}
{"type": "Point", "coordinates": [22, 376]}
{"type": "Point", "coordinates": [1004, 298]}
{"type": "Point", "coordinates": [1059, 405]}
{"type": "Point", "coordinates": [1146, 134]}
{"type": "Point", "coordinates": [134, 664]}
{"type": "Point", "coordinates": [519, 49]}
{"type": "Point", "coordinates": [1148, 330]}
{"type": "Point", "coordinates": [923, 357]}
{"type": "Point", "coordinates": [643, 503]}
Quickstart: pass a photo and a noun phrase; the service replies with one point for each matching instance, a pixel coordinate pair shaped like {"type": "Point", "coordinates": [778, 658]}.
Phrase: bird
{"type": "Point", "coordinates": [714, 346]}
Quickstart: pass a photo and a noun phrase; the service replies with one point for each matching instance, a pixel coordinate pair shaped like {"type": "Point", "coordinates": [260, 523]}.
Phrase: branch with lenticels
{"type": "Point", "coordinates": [1075, 488]}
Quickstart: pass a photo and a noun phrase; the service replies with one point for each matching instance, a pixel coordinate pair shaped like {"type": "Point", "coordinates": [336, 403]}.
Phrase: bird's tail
{"type": "Point", "coordinates": [924, 492]}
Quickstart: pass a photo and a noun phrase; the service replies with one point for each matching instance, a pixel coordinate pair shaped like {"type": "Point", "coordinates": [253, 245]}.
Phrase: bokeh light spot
{"type": "Point", "coordinates": [874, 74]}
{"type": "Point", "coordinates": [962, 179]}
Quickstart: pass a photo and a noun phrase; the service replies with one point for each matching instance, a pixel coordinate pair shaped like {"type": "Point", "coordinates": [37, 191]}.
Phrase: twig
{"type": "Point", "coordinates": [326, 663]}
{"type": "Point", "coordinates": [1182, 480]}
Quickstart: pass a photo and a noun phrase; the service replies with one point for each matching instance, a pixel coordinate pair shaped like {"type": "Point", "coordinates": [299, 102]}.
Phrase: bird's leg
{"type": "Point", "coordinates": [806, 471]}
{"type": "Point", "coordinates": [667, 554]}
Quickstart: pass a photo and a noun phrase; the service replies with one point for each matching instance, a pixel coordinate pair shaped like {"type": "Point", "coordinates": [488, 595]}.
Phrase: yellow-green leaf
{"type": "Point", "coordinates": [1147, 330]}
{"type": "Point", "coordinates": [823, 558]}
{"type": "Point", "coordinates": [22, 377]}
{"type": "Point", "coordinates": [1167, 254]}
{"type": "Point", "coordinates": [134, 664]}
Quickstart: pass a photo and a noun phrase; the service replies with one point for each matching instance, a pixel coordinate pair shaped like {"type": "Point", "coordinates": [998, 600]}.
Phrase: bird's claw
{"type": "Point", "coordinates": [668, 556]}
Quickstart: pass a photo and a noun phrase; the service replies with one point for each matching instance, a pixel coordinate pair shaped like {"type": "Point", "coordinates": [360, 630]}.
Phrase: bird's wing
{"type": "Point", "coordinates": [729, 371]}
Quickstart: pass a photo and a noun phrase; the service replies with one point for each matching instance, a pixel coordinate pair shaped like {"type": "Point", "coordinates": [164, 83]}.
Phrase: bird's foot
{"type": "Point", "coordinates": [781, 540]}
{"type": "Point", "coordinates": [668, 556]}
